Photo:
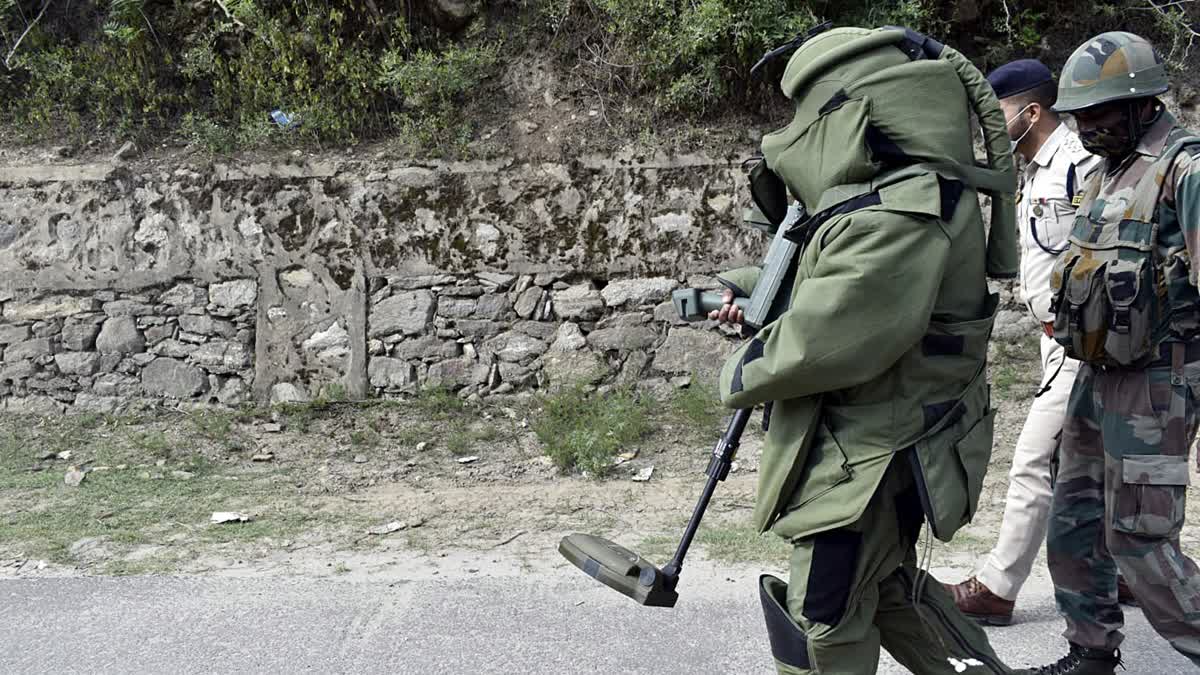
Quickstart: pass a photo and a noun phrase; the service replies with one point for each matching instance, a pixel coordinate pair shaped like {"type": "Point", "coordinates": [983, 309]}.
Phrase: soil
{"type": "Point", "coordinates": [326, 475]}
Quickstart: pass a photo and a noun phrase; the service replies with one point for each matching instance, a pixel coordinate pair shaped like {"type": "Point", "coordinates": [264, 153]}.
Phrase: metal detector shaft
{"type": "Point", "coordinates": [718, 469]}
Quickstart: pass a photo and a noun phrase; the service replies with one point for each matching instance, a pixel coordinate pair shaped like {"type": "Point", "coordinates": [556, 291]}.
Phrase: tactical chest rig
{"type": "Point", "coordinates": [1126, 286]}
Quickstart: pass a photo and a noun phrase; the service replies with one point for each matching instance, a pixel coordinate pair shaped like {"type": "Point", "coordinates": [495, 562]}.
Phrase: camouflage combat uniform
{"type": "Point", "coordinates": [1119, 499]}
{"type": "Point", "coordinates": [1126, 304]}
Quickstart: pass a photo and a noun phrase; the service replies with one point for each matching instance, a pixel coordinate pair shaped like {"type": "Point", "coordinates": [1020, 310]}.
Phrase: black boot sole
{"type": "Point", "coordinates": [990, 619]}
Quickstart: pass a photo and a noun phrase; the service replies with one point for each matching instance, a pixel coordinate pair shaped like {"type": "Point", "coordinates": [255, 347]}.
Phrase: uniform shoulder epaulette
{"type": "Point", "coordinates": [1074, 149]}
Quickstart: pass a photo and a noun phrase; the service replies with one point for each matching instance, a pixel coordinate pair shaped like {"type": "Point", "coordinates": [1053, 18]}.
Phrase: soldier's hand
{"type": "Point", "coordinates": [729, 312]}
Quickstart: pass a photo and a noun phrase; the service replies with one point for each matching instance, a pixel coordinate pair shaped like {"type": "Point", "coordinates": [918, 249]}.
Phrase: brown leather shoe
{"type": "Point", "coordinates": [1124, 595]}
{"type": "Point", "coordinates": [977, 602]}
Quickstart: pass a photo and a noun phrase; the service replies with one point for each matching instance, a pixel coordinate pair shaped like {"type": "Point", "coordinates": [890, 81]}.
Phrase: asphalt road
{"type": "Point", "coordinates": [557, 622]}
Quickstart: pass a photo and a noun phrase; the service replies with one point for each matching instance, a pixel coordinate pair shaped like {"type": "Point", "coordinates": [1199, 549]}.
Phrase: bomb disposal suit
{"type": "Point", "coordinates": [879, 413]}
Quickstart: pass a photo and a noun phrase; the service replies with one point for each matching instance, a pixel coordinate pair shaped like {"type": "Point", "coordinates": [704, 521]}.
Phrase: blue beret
{"type": "Point", "coordinates": [1014, 78]}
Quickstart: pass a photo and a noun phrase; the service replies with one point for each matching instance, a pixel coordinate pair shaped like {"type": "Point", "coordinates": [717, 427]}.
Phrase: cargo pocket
{"type": "Point", "coordinates": [829, 467]}
{"type": "Point", "coordinates": [1128, 289]}
{"type": "Point", "coordinates": [949, 471]}
{"type": "Point", "coordinates": [1152, 496]}
{"type": "Point", "coordinates": [974, 453]}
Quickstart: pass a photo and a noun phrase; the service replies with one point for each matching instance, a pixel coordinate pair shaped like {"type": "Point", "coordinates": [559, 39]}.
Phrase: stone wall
{"type": "Point", "coordinates": [290, 280]}
{"type": "Point", "coordinates": [100, 349]}
{"type": "Point", "coordinates": [493, 333]}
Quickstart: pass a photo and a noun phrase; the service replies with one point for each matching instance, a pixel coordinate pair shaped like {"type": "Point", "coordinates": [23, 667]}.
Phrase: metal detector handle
{"type": "Point", "coordinates": [718, 469]}
{"type": "Point", "coordinates": [693, 304]}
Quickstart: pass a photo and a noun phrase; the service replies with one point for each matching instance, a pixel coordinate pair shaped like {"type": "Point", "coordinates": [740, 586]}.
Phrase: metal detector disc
{"type": "Point", "coordinates": [620, 569]}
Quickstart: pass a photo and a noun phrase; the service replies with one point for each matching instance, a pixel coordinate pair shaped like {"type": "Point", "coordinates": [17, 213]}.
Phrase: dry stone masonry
{"type": "Point", "coordinates": [495, 332]}
{"type": "Point", "coordinates": [286, 281]}
{"type": "Point", "coordinates": [98, 350]}
{"type": "Point", "coordinates": [283, 282]}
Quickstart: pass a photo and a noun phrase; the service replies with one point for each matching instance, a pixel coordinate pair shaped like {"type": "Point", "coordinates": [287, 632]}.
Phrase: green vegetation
{"type": "Point", "coordinates": [463, 440]}
{"type": "Point", "coordinates": [214, 71]}
{"type": "Point", "coordinates": [695, 56]}
{"type": "Point", "coordinates": [436, 402]}
{"type": "Point", "coordinates": [723, 542]}
{"type": "Point", "coordinates": [736, 544]}
{"type": "Point", "coordinates": [586, 431]}
{"type": "Point", "coordinates": [217, 427]}
{"type": "Point", "coordinates": [1015, 368]}
{"type": "Point", "coordinates": [128, 500]}
{"type": "Point", "coordinates": [699, 407]}
{"type": "Point", "coordinates": [210, 73]}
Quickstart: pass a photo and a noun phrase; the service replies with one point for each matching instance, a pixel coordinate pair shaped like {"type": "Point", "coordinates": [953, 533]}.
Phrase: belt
{"type": "Point", "coordinates": [1191, 352]}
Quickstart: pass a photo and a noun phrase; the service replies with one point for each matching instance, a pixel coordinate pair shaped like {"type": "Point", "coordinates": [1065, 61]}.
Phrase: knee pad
{"type": "Point", "coordinates": [789, 645]}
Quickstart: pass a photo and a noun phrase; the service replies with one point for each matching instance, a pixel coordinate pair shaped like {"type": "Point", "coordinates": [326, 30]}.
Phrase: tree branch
{"type": "Point", "coordinates": [228, 14]}
{"type": "Point", "coordinates": [1178, 20]}
{"type": "Point", "coordinates": [28, 28]}
{"type": "Point", "coordinates": [153, 34]}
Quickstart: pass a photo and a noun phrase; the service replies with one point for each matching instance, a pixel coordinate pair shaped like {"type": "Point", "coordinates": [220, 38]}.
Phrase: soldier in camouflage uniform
{"type": "Point", "coordinates": [1126, 304]}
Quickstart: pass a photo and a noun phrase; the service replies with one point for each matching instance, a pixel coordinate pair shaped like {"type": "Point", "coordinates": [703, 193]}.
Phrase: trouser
{"type": "Point", "coordinates": [1027, 506]}
{"type": "Point", "coordinates": [1119, 504]}
{"type": "Point", "coordinates": [857, 588]}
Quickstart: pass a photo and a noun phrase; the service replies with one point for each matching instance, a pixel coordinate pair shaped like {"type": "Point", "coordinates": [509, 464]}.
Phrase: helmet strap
{"type": "Point", "coordinates": [1137, 121]}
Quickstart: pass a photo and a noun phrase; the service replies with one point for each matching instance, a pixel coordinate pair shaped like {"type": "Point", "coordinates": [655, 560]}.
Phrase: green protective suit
{"type": "Point", "coordinates": [879, 406]}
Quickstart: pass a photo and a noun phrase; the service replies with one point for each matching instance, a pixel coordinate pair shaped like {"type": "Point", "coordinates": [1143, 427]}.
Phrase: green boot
{"type": "Point", "coordinates": [1081, 661]}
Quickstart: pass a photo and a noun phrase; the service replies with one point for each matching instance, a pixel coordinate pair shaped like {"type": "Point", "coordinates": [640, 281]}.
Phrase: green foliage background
{"type": "Point", "coordinates": [210, 71]}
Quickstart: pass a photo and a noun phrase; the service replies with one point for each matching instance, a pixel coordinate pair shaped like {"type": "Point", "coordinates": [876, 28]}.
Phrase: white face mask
{"type": "Point", "coordinates": [1027, 130]}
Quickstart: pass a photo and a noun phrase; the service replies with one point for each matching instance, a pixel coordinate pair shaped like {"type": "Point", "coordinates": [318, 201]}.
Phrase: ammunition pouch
{"type": "Point", "coordinates": [1105, 311]}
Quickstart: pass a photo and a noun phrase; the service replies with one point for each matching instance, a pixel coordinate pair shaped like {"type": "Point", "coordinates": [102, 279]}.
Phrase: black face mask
{"type": "Point", "coordinates": [1117, 141]}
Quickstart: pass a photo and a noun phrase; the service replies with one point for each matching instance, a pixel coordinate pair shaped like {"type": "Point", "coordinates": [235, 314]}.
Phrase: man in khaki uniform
{"type": "Point", "coordinates": [1052, 184]}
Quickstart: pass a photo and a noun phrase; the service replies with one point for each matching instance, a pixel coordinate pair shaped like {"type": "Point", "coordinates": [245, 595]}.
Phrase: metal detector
{"type": "Point", "coordinates": [616, 566]}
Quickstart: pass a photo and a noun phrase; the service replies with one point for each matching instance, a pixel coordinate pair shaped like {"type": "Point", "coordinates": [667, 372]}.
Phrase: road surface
{"type": "Point", "coordinates": [524, 622]}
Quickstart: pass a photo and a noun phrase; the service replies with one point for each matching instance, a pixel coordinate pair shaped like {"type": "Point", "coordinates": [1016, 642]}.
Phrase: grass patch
{"type": "Point", "coordinates": [743, 545]}
{"type": "Point", "coordinates": [966, 541]}
{"type": "Point", "coordinates": [299, 416]}
{"type": "Point", "coordinates": [151, 444]}
{"type": "Point", "coordinates": [699, 407]}
{"type": "Point", "coordinates": [139, 506]}
{"type": "Point", "coordinates": [459, 443]}
{"type": "Point", "coordinates": [217, 426]}
{"type": "Point", "coordinates": [162, 563]}
{"type": "Point", "coordinates": [463, 441]}
{"type": "Point", "coordinates": [1015, 369]}
{"type": "Point", "coordinates": [437, 402]}
{"type": "Point", "coordinates": [585, 431]}
{"type": "Point", "coordinates": [364, 438]}
{"type": "Point", "coordinates": [658, 547]}
{"type": "Point", "coordinates": [726, 544]}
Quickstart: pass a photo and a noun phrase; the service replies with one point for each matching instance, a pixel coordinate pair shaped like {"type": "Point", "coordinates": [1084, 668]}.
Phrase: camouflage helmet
{"type": "Point", "coordinates": [1110, 67]}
